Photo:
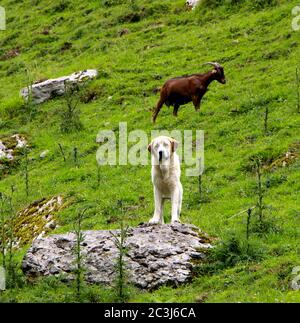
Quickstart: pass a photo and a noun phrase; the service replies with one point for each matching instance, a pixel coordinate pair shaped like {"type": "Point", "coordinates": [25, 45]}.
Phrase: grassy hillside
{"type": "Point", "coordinates": [136, 45]}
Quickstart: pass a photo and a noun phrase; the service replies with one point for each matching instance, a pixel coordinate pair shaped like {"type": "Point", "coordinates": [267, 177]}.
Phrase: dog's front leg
{"type": "Point", "coordinates": [158, 215]}
{"type": "Point", "coordinates": [176, 204]}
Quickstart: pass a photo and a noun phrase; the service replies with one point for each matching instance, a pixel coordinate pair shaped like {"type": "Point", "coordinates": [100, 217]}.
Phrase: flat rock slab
{"type": "Point", "coordinates": [43, 91]}
{"type": "Point", "coordinates": [157, 255]}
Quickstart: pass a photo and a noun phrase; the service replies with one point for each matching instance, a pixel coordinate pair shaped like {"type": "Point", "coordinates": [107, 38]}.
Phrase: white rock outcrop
{"type": "Point", "coordinates": [43, 91]}
{"type": "Point", "coordinates": [9, 145]}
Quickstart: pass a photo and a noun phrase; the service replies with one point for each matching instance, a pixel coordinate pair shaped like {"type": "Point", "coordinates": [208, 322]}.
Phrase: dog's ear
{"type": "Point", "coordinates": [174, 145]}
{"type": "Point", "coordinates": [150, 147]}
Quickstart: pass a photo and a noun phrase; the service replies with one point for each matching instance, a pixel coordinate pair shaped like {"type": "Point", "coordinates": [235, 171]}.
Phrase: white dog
{"type": "Point", "coordinates": [165, 177]}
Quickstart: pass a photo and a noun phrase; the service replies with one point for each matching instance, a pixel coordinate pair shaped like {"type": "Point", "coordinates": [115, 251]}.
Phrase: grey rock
{"type": "Point", "coordinates": [169, 258]}
{"type": "Point", "coordinates": [17, 140]}
{"type": "Point", "coordinates": [51, 225]}
{"type": "Point", "coordinates": [192, 4]}
{"type": "Point", "coordinates": [44, 154]}
{"type": "Point", "coordinates": [43, 91]}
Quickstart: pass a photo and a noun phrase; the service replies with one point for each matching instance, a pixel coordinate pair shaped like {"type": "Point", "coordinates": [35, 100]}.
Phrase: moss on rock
{"type": "Point", "coordinates": [37, 219]}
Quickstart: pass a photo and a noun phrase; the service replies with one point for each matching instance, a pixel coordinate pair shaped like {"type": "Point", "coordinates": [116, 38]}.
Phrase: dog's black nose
{"type": "Point", "coordinates": [160, 155]}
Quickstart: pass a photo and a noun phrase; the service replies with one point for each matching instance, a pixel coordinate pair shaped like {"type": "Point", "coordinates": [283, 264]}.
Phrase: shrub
{"type": "Point", "coordinates": [70, 120]}
{"type": "Point", "coordinates": [267, 156]}
{"type": "Point", "coordinates": [253, 4]}
{"type": "Point", "coordinates": [134, 13]}
{"type": "Point", "coordinates": [111, 3]}
{"type": "Point", "coordinates": [227, 253]}
{"type": "Point", "coordinates": [232, 251]}
{"type": "Point", "coordinates": [121, 289]}
{"type": "Point", "coordinates": [79, 261]}
{"type": "Point", "coordinates": [260, 4]}
{"type": "Point", "coordinates": [268, 225]}
{"type": "Point", "coordinates": [61, 6]}
{"type": "Point", "coordinates": [90, 94]}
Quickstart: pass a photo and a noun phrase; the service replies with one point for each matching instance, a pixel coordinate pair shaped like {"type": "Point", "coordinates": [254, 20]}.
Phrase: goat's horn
{"type": "Point", "coordinates": [216, 65]}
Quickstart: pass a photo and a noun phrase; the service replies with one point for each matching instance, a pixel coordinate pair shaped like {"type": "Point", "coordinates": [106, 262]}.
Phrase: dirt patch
{"type": "Point", "coordinates": [10, 54]}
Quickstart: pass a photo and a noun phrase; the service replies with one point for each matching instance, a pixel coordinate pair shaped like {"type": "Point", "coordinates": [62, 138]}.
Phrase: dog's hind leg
{"type": "Point", "coordinates": [158, 213]}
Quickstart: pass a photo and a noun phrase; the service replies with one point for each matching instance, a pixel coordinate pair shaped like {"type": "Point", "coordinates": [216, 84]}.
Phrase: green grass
{"type": "Point", "coordinates": [259, 52]}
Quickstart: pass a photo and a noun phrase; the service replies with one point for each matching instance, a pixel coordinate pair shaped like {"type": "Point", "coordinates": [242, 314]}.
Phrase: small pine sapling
{"type": "Point", "coordinates": [79, 257]}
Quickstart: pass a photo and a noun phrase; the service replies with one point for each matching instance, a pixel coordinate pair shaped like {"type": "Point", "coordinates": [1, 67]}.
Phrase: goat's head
{"type": "Point", "coordinates": [218, 71]}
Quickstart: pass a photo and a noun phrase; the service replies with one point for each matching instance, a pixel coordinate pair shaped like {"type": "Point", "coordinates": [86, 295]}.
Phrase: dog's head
{"type": "Point", "coordinates": [162, 148]}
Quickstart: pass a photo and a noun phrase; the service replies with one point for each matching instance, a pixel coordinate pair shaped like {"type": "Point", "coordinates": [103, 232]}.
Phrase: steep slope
{"type": "Point", "coordinates": [135, 47]}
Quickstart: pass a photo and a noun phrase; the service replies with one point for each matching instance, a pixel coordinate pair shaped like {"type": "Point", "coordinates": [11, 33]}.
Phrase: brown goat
{"type": "Point", "coordinates": [181, 90]}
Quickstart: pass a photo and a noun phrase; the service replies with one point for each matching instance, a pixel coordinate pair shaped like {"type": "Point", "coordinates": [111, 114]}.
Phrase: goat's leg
{"type": "Point", "coordinates": [158, 107]}
{"type": "Point", "coordinates": [196, 102]}
{"type": "Point", "coordinates": [175, 110]}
